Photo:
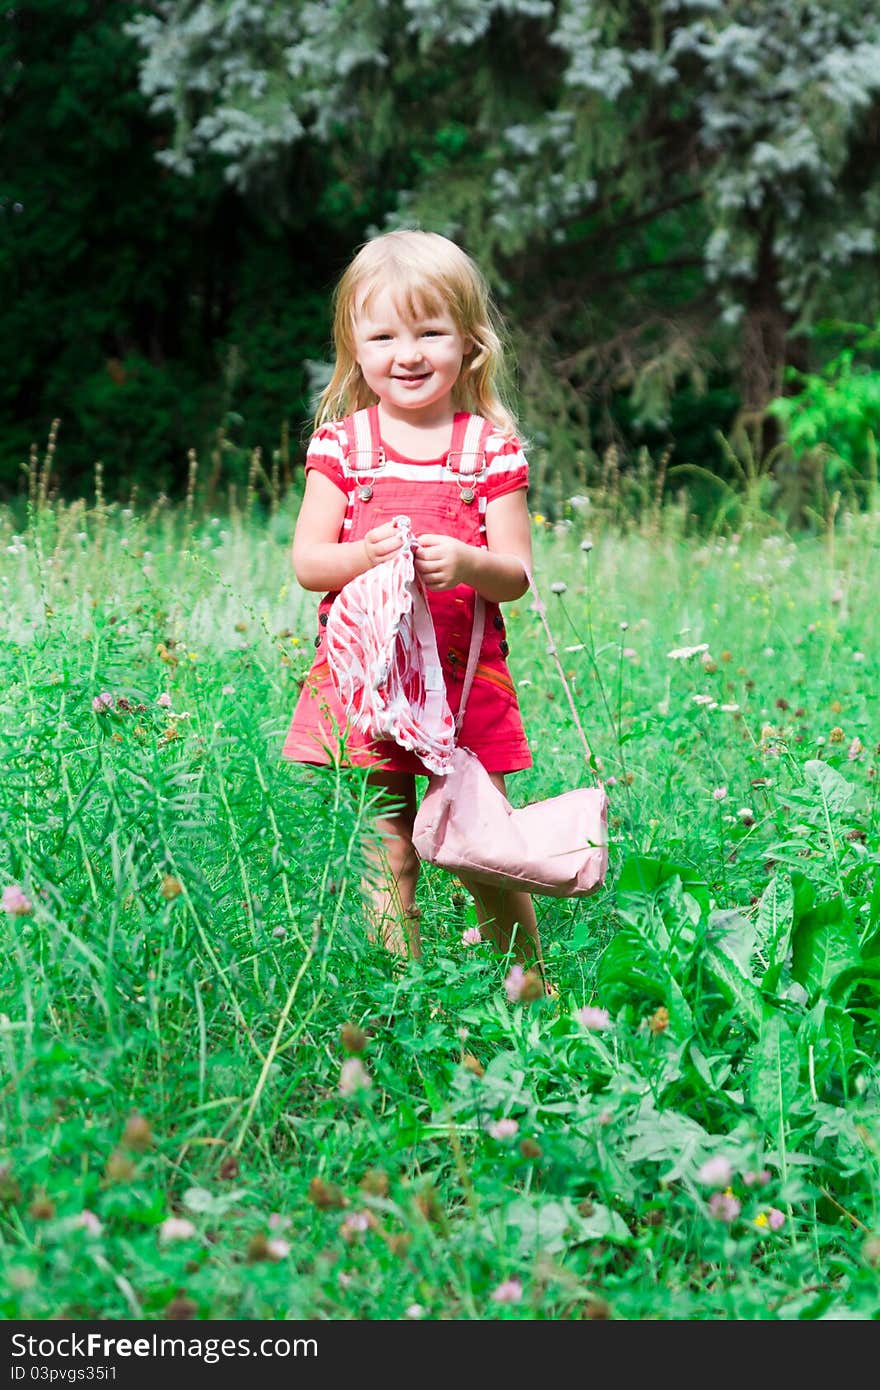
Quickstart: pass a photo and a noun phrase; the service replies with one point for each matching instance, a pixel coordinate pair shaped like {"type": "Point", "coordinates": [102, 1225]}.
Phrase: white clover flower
{"type": "Point", "coordinates": [176, 1228]}
{"type": "Point", "coordinates": [685, 653]}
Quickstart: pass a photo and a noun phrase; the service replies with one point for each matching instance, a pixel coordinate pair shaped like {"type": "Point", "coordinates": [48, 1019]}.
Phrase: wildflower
{"type": "Point", "coordinates": [471, 937]}
{"type": "Point", "coordinates": [705, 700]}
{"type": "Point", "coordinates": [685, 653]}
{"type": "Point", "coordinates": [586, 546]}
{"type": "Point", "coordinates": [277, 1249]}
{"type": "Point", "coordinates": [858, 656]}
{"type": "Point", "coordinates": [228, 690]}
{"type": "Point", "coordinates": [353, 1077]}
{"type": "Point", "coordinates": [176, 1228]}
{"type": "Point", "coordinates": [836, 735]}
{"type": "Point", "coordinates": [593, 1019]}
{"type": "Point", "coordinates": [414, 1311]}
{"type": "Point", "coordinates": [119, 1167]}
{"type": "Point", "coordinates": [855, 750]}
{"type": "Point", "coordinates": [16, 902]}
{"type": "Point", "coordinates": [508, 1292]}
{"type": "Point", "coordinates": [89, 1222]}
{"type": "Point", "coordinates": [181, 1309]}
{"type": "Point", "coordinates": [630, 653]}
{"type": "Point", "coordinates": [538, 519]}
{"type": "Point", "coordinates": [375, 1183]}
{"type": "Point", "coordinates": [326, 1196]}
{"type": "Point", "coordinates": [659, 1020]}
{"type": "Point", "coordinates": [102, 702]}
{"type": "Point", "coordinates": [137, 1135]}
{"type": "Point", "coordinates": [164, 699]}
{"type": "Point", "coordinates": [579, 501]}
{"type": "Point", "coordinates": [559, 587]}
{"type": "Point", "coordinates": [719, 793]}
{"type": "Point", "coordinates": [761, 1220]}
{"type": "Point", "coordinates": [746, 815]}
{"type": "Point", "coordinates": [729, 709]}
{"type": "Point", "coordinates": [759, 1179]}
{"type": "Point", "coordinates": [724, 1206]}
{"type": "Point", "coordinates": [504, 1129]}
{"type": "Point", "coordinates": [775, 1219]}
{"type": "Point", "coordinates": [355, 1225]}
{"type": "Point", "coordinates": [716, 1171]}
{"type": "Point", "coordinates": [353, 1038]}
{"type": "Point", "coordinates": [514, 982]}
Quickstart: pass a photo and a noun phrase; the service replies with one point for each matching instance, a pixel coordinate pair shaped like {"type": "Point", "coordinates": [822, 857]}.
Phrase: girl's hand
{"type": "Point", "coordinates": [441, 561]}
{"type": "Point", "coordinates": [381, 543]}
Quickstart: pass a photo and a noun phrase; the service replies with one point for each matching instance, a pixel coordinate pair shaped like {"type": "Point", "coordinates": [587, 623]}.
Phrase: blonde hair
{"type": "Point", "coordinates": [427, 273]}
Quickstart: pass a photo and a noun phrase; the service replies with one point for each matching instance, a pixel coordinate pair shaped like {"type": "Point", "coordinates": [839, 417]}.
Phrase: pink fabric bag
{"type": "Point", "coordinates": [556, 848]}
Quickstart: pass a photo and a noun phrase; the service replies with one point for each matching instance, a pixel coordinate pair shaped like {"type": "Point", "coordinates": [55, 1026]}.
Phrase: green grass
{"type": "Point", "coordinates": [174, 999]}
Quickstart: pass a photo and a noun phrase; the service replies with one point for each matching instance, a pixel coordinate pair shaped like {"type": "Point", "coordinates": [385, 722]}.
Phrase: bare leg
{"type": "Point", "coordinates": [507, 917]}
{"type": "Point", "coordinates": [391, 886]}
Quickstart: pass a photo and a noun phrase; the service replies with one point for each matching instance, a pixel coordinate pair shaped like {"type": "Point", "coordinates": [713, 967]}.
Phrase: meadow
{"type": "Point", "coordinates": [219, 1100]}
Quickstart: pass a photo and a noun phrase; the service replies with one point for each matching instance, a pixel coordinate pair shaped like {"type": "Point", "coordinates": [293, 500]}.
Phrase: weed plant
{"type": "Point", "coordinates": [219, 1100]}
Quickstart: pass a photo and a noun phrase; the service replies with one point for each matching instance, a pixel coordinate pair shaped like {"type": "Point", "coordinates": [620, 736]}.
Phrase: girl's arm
{"type": "Point", "coordinates": [320, 560]}
{"type": "Point", "coordinates": [495, 572]}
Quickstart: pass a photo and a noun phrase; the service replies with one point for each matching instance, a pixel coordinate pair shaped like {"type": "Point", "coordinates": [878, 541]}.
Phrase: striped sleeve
{"type": "Point", "coordinates": [325, 455]}
{"type": "Point", "coordinates": [506, 466]}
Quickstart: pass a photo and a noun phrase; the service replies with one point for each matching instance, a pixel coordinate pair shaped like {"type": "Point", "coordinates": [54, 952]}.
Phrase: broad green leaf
{"type": "Point", "coordinates": [624, 971]}
{"type": "Point", "coordinates": [824, 945]}
{"type": "Point", "coordinates": [641, 874]}
{"type": "Point", "coordinates": [834, 790]}
{"type": "Point", "coordinates": [865, 972]}
{"type": "Point", "coordinates": [775, 1075]}
{"type": "Point", "coordinates": [734, 934]}
{"type": "Point", "coordinates": [738, 989]}
{"type": "Point", "coordinates": [840, 1054]}
{"type": "Point", "coordinates": [775, 922]}
{"type": "Point", "coordinates": [668, 1138]}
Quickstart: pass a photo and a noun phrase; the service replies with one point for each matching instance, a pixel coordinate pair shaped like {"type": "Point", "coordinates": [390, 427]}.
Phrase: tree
{"type": "Point", "coordinates": [650, 183]}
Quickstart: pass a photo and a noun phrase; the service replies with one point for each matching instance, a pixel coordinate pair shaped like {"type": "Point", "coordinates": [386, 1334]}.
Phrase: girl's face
{"type": "Point", "coordinates": [411, 364]}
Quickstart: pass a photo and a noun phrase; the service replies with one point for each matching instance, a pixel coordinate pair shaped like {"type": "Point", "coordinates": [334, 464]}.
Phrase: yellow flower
{"type": "Point", "coordinates": [538, 519]}
{"type": "Point", "coordinates": [761, 1219]}
{"type": "Point", "coordinates": [294, 641]}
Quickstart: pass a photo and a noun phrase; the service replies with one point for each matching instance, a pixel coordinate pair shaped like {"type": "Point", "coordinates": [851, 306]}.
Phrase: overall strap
{"type": "Point", "coordinates": [365, 453]}
{"type": "Point", "coordinates": [466, 460]}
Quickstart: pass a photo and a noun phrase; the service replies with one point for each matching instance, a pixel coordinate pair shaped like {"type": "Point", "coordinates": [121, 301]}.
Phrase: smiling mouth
{"type": "Point", "coordinates": [413, 376]}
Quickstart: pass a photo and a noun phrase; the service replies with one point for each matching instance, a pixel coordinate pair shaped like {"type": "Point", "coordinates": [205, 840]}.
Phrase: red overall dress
{"type": "Point", "coordinates": [320, 731]}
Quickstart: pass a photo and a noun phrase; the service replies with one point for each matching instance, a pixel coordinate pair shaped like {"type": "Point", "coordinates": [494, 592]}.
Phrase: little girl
{"type": "Point", "coordinates": [415, 343]}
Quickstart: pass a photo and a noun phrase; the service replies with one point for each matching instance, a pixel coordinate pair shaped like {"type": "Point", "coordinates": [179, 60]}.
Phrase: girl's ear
{"type": "Point", "coordinates": [475, 355]}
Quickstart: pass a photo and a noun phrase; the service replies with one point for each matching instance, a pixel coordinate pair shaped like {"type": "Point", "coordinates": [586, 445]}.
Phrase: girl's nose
{"type": "Point", "coordinates": [409, 351]}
